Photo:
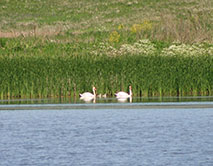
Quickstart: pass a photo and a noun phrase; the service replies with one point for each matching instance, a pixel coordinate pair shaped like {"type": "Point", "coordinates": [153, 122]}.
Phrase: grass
{"type": "Point", "coordinates": [80, 18]}
{"type": "Point", "coordinates": [161, 48]}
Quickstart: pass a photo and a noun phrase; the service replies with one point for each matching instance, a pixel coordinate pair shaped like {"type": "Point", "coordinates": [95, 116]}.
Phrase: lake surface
{"type": "Point", "coordinates": [107, 134]}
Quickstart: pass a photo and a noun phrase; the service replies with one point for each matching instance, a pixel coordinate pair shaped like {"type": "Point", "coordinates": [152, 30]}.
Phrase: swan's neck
{"type": "Point", "coordinates": [130, 92]}
{"type": "Point", "coordinates": [94, 93]}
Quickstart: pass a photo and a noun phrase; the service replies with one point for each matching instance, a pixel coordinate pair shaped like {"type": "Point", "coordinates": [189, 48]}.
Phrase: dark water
{"type": "Point", "coordinates": [107, 136]}
{"type": "Point", "coordinates": [76, 100]}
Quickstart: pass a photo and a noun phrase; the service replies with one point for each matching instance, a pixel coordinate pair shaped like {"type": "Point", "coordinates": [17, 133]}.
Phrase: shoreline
{"type": "Point", "coordinates": [163, 105]}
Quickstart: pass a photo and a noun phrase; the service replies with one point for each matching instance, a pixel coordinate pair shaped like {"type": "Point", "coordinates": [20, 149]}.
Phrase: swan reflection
{"type": "Point", "coordinates": [88, 100]}
{"type": "Point", "coordinates": [124, 100]}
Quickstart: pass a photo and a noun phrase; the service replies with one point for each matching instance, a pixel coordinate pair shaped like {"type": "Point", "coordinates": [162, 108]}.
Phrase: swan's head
{"type": "Point", "coordinates": [93, 88]}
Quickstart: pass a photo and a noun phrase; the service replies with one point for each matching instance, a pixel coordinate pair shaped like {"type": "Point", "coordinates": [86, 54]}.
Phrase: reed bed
{"type": "Point", "coordinates": [37, 69]}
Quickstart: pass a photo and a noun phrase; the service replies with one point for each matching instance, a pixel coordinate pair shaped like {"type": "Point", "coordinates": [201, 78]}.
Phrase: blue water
{"type": "Point", "coordinates": [107, 137]}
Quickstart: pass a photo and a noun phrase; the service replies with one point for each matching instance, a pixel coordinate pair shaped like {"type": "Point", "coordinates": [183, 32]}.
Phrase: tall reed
{"type": "Point", "coordinates": [44, 75]}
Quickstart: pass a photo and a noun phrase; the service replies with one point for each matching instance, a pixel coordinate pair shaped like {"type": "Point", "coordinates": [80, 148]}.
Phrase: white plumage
{"type": "Point", "coordinates": [88, 95]}
{"type": "Point", "coordinates": [123, 95]}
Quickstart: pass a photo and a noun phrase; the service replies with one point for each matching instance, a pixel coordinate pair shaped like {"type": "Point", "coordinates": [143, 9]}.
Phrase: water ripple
{"type": "Point", "coordinates": [107, 137]}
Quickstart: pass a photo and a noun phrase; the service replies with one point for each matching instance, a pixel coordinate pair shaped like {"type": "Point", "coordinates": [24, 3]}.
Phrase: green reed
{"type": "Point", "coordinates": [65, 74]}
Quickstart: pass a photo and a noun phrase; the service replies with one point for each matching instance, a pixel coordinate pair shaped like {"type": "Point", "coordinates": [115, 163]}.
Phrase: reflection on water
{"type": "Point", "coordinates": [77, 100]}
{"type": "Point", "coordinates": [88, 100]}
{"type": "Point", "coordinates": [124, 100]}
{"type": "Point", "coordinates": [119, 100]}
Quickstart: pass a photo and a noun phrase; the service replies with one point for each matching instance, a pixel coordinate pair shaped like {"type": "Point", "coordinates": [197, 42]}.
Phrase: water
{"type": "Point", "coordinates": [102, 134]}
{"type": "Point", "coordinates": [76, 100]}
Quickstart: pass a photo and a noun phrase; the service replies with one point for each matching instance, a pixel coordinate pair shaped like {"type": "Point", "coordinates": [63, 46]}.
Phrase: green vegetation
{"type": "Point", "coordinates": [61, 48]}
{"type": "Point", "coordinates": [92, 20]}
{"type": "Point", "coordinates": [31, 70]}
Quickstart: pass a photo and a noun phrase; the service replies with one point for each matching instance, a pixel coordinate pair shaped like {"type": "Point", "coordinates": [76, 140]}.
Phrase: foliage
{"type": "Point", "coordinates": [47, 69]}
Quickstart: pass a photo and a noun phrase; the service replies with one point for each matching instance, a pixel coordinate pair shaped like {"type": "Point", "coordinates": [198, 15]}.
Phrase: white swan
{"type": "Point", "coordinates": [102, 96]}
{"type": "Point", "coordinates": [99, 96]}
{"type": "Point", "coordinates": [124, 95]}
{"type": "Point", "coordinates": [88, 95]}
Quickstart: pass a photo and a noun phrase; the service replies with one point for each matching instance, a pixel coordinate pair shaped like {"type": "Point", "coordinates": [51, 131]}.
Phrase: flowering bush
{"type": "Point", "coordinates": [136, 28]}
{"type": "Point", "coordinates": [144, 47]}
{"type": "Point", "coordinates": [114, 37]}
{"type": "Point", "coordinates": [187, 50]}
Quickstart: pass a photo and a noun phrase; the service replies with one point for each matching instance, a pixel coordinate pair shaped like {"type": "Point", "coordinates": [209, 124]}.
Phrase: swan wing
{"type": "Point", "coordinates": [122, 95]}
{"type": "Point", "coordinates": [87, 95]}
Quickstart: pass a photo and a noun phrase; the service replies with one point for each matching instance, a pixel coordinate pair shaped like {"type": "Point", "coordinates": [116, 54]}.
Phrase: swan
{"type": "Point", "coordinates": [99, 96]}
{"type": "Point", "coordinates": [88, 95]}
{"type": "Point", "coordinates": [124, 95]}
{"type": "Point", "coordinates": [102, 96]}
